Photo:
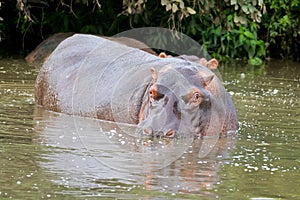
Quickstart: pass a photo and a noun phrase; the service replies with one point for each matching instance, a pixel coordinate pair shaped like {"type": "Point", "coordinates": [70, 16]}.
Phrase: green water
{"type": "Point", "coordinates": [46, 155]}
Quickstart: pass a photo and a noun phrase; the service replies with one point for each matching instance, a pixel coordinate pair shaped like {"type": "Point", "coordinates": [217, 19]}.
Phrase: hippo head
{"type": "Point", "coordinates": [176, 101]}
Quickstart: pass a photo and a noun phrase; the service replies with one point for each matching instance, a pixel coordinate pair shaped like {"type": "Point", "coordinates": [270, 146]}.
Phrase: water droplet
{"type": "Point", "coordinates": [113, 131]}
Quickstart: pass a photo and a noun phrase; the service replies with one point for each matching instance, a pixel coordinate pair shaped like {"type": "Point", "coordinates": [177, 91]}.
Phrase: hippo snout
{"type": "Point", "coordinates": [149, 132]}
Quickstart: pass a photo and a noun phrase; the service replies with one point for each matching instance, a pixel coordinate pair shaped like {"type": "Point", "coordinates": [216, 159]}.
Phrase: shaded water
{"type": "Point", "coordinates": [50, 155]}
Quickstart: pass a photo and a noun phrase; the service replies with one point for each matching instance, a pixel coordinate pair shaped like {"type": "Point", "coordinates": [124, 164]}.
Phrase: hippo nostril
{"type": "Point", "coordinates": [148, 131]}
{"type": "Point", "coordinates": [170, 133]}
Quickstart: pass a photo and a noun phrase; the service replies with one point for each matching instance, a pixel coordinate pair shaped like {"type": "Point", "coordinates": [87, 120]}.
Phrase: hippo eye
{"type": "Point", "coordinates": [194, 96]}
{"type": "Point", "coordinates": [151, 94]}
{"type": "Point", "coordinates": [197, 96]}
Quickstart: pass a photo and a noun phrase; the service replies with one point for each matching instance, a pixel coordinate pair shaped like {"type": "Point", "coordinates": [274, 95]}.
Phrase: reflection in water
{"type": "Point", "coordinates": [88, 153]}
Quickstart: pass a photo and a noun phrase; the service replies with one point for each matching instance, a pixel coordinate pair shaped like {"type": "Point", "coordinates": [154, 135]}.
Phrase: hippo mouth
{"type": "Point", "coordinates": [149, 133]}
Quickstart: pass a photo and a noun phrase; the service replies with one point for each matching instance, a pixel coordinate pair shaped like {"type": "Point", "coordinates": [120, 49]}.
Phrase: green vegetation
{"type": "Point", "coordinates": [281, 25]}
{"type": "Point", "coordinates": [241, 29]}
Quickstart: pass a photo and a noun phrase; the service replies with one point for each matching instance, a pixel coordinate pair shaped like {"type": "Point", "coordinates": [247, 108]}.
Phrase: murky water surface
{"type": "Point", "coordinates": [46, 155]}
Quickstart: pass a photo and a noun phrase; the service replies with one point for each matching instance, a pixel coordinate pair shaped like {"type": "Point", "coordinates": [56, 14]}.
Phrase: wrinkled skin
{"type": "Point", "coordinates": [170, 103]}
{"type": "Point", "coordinates": [94, 77]}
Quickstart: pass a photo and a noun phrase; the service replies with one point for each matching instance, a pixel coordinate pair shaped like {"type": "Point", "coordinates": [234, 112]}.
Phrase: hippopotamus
{"type": "Point", "coordinates": [95, 77]}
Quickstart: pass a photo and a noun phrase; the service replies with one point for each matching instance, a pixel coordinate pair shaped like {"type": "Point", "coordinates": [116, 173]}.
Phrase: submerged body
{"type": "Point", "coordinates": [93, 77]}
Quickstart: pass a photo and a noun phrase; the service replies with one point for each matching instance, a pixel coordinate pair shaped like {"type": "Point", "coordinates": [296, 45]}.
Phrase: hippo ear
{"type": "Point", "coordinates": [212, 63]}
{"type": "Point", "coordinates": [162, 55]}
{"type": "Point", "coordinates": [208, 79]}
{"type": "Point", "coordinates": [153, 74]}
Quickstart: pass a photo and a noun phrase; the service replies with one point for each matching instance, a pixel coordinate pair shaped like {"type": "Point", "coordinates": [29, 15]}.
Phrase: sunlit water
{"type": "Point", "coordinates": [51, 155]}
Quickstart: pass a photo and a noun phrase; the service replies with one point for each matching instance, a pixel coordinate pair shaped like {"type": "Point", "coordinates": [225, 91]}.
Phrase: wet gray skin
{"type": "Point", "coordinates": [178, 102]}
{"type": "Point", "coordinates": [93, 77]}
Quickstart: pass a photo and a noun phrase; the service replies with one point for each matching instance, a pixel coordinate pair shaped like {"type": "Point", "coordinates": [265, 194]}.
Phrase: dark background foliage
{"type": "Point", "coordinates": [239, 29]}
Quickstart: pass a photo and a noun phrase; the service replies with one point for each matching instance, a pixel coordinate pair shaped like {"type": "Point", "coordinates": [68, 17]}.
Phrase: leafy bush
{"type": "Point", "coordinates": [282, 25]}
{"type": "Point", "coordinates": [224, 28]}
{"type": "Point", "coordinates": [240, 29]}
